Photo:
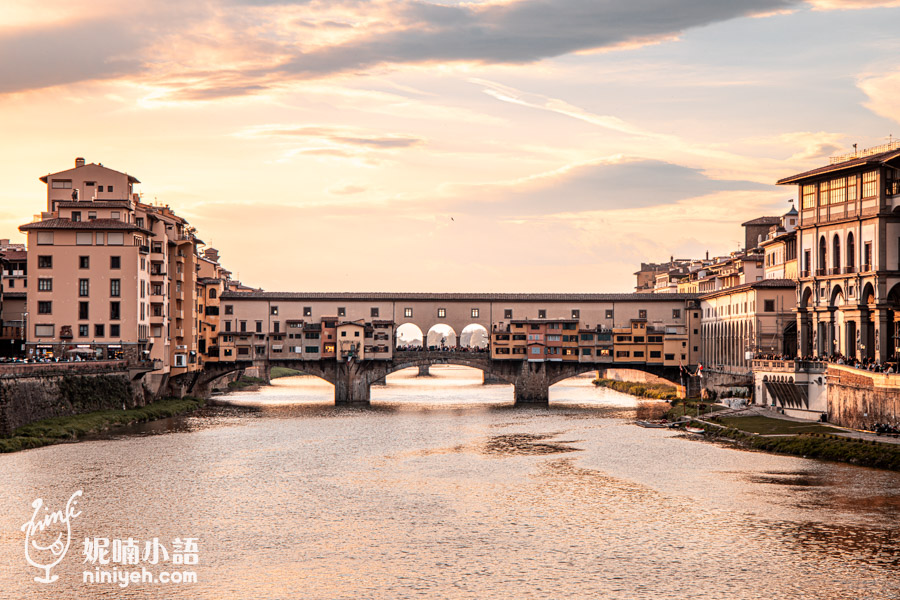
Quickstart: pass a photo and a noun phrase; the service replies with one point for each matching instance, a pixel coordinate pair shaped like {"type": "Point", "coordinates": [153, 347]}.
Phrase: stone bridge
{"type": "Point", "coordinates": [352, 380]}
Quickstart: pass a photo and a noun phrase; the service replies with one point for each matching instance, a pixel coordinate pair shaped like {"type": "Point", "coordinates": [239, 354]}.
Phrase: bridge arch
{"type": "Point", "coordinates": [408, 333]}
{"type": "Point", "coordinates": [441, 335]}
{"type": "Point", "coordinates": [474, 335]}
{"type": "Point", "coordinates": [482, 362]}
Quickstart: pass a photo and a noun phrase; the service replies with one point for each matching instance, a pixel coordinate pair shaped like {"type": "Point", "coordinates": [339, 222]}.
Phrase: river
{"type": "Point", "coordinates": [443, 489]}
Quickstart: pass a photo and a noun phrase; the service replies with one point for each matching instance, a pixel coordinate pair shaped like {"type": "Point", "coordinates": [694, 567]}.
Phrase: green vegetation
{"type": "Point", "coordinates": [62, 429]}
{"type": "Point", "coordinates": [770, 426]}
{"type": "Point", "coordinates": [644, 390]}
{"type": "Point", "coordinates": [245, 382]}
{"type": "Point", "coordinates": [866, 453]}
{"type": "Point", "coordinates": [277, 372]}
{"type": "Point", "coordinates": [691, 408]}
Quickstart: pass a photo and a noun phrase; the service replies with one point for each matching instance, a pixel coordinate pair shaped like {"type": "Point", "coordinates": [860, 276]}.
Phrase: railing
{"type": "Point", "coordinates": [788, 365]}
{"type": "Point", "coordinates": [866, 152]}
{"type": "Point", "coordinates": [804, 273]}
{"type": "Point", "coordinates": [849, 270]}
{"type": "Point", "coordinates": [821, 271]}
{"type": "Point", "coordinates": [144, 249]}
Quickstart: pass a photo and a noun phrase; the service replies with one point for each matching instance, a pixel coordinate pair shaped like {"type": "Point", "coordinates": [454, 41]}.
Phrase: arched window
{"type": "Point", "coordinates": [212, 293]}
{"type": "Point", "coordinates": [823, 247]}
{"type": "Point", "coordinates": [851, 252]}
{"type": "Point", "coordinates": [836, 254]}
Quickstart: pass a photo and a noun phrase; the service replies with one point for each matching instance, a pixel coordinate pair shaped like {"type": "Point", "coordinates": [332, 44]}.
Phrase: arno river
{"type": "Point", "coordinates": [444, 490]}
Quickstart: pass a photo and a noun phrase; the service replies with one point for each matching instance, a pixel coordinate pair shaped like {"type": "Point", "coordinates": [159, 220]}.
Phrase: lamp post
{"type": "Point", "coordinates": [24, 327]}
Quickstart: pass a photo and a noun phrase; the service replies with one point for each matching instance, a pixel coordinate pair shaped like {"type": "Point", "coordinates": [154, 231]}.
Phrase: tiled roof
{"type": "Point", "coordinates": [874, 159]}
{"type": "Point", "coordinates": [473, 297]}
{"type": "Point", "coordinates": [94, 204]}
{"type": "Point", "coordinates": [80, 225]}
{"type": "Point", "coordinates": [763, 221]}
{"type": "Point", "coordinates": [15, 254]}
{"type": "Point", "coordinates": [763, 284]}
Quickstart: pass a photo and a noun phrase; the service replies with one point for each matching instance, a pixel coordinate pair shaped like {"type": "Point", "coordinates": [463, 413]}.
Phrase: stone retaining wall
{"type": "Point", "coordinates": [33, 392]}
{"type": "Point", "coordinates": [859, 399]}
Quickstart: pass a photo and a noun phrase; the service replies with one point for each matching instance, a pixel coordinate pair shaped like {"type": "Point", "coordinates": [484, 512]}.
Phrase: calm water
{"type": "Point", "coordinates": [444, 490]}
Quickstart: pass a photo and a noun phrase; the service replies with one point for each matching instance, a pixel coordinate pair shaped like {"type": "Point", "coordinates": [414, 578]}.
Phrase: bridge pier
{"type": "Point", "coordinates": [424, 370]}
{"type": "Point", "coordinates": [491, 380]}
{"type": "Point", "coordinates": [351, 384]}
{"type": "Point", "coordinates": [532, 384]}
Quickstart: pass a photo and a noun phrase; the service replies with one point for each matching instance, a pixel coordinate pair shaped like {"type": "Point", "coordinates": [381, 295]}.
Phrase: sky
{"type": "Point", "coordinates": [407, 145]}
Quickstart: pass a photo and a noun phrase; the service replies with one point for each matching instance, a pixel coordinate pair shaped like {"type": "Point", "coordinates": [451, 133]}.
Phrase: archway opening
{"type": "Point", "coordinates": [474, 336]}
{"type": "Point", "coordinates": [441, 337]}
{"type": "Point", "coordinates": [409, 336]}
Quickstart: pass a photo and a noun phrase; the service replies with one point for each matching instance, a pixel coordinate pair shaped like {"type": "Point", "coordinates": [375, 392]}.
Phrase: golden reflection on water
{"type": "Point", "coordinates": [443, 489]}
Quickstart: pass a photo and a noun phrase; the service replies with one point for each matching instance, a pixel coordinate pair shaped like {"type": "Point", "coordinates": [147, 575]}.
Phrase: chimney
{"type": "Point", "coordinates": [79, 162]}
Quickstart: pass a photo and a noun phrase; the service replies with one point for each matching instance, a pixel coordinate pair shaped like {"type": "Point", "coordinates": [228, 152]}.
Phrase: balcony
{"type": "Point", "coordinates": [821, 272]}
{"type": "Point", "coordinates": [144, 249]}
{"type": "Point", "coordinates": [804, 273]}
{"type": "Point", "coordinates": [849, 270]}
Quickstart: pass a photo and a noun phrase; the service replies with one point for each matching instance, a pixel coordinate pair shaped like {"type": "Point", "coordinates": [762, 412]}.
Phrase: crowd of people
{"type": "Point", "coordinates": [868, 364]}
{"type": "Point", "coordinates": [440, 348]}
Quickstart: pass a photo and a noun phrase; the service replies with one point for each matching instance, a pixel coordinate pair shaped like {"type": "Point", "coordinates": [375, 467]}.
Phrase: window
{"type": "Point", "coordinates": [115, 288]}
{"type": "Point", "coordinates": [769, 306]}
{"type": "Point", "coordinates": [535, 350]}
{"type": "Point", "coordinates": [109, 188]}
{"type": "Point", "coordinates": [259, 327]}
{"type": "Point", "coordinates": [474, 313]}
{"type": "Point", "coordinates": [307, 311]}
{"type": "Point", "coordinates": [84, 287]}
{"type": "Point", "coordinates": [45, 238]}
{"type": "Point", "coordinates": [508, 314]}
{"type": "Point", "coordinates": [609, 314]}
{"type": "Point", "coordinates": [115, 262]}
{"type": "Point", "coordinates": [809, 196]}
{"type": "Point", "coordinates": [83, 331]}
{"type": "Point", "coordinates": [273, 311]}
{"type": "Point", "coordinates": [442, 312]}
{"type": "Point", "coordinates": [542, 313]}
{"type": "Point", "coordinates": [139, 222]}
{"type": "Point", "coordinates": [869, 188]}
{"type": "Point", "coordinates": [76, 216]}
{"type": "Point", "coordinates": [92, 215]}
{"type": "Point", "coordinates": [276, 326]}
{"type": "Point", "coordinates": [642, 314]}
{"type": "Point", "coordinates": [115, 215]}
{"type": "Point", "coordinates": [229, 309]}
{"type": "Point", "coordinates": [45, 285]}
{"type": "Point", "coordinates": [83, 310]}
{"type": "Point", "coordinates": [374, 312]}
{"type": "Point", "coordinates": [100, 239]}
{"type": "Point", "coordinates": [639, 354]}
{"type": "Point", "coordinates": [84, 262]}
{"type": "Point", "coordinates": [45, 307]}
{"type": "Point", "coordinates": [115, 238]}
{"type": "Point", "coordinates": [115, 312]}
{"type": "Point", "coordinates": [408, 313]}
{"type": "Point", "coordinates": [243, 326]}
{"type": "Point", "coordinates": [851, 251]}
{"type": "Point", "coordinates": [99, 330]}
{"type": "Point", "coordinates": [576, 314]}
{"type": "Point", "coordinates": [212, 293]}
{"type": "Point", "coordinates": [676, 313]}
{"type": "Point", "coordinates": [61, 184]}
{"type": "Point", "coordinates": [43, 330]}
{"type": "Point", "coordinates": [867, 256]}
{"type": "Point", "coordinates": [45, 262]}
{"type": "Point", "coordinates": [113, 330]}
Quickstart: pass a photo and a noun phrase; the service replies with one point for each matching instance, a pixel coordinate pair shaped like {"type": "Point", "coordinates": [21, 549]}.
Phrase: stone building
{"type": "Point", "coordinates": [849, 249]}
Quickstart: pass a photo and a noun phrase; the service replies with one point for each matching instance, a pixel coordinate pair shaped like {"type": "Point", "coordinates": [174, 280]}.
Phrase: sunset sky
{"type": "Point", "coordinates": [518, 145]}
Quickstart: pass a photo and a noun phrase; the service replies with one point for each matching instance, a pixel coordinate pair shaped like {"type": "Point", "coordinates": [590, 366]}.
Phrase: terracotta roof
{"type": "Point", "coordinates": [131, 179]}
{"type": "Point", "coordinates": [763, 221]}
{"type": "Point", "coordinates": [874, 159]}
{"type": "Point", "coordinates": [472, 297]}
{"type": "Point", "coordinates": [764, 284]}
{"type": "Point", "coordinates": [15, 254]}
{"type": "Point", "coordinates": [79, 225]}
{"type": "Point", "coordinates": [94, 204]}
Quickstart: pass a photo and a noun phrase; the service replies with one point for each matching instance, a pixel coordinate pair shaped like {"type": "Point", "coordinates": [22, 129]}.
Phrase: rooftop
{"type": "Point", "coordinates": [851, 163]}
{"type": "Point", "coordinates": [472, 297]}
{"type": "Point", "coordinates": [763, 221]}
{"type": "Point", "coordinates": [753, 285]}
{"type": "Point", "coordinates": [80, 225]}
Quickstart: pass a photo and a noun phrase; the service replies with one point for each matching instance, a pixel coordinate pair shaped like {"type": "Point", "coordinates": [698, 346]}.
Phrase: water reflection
{"type": "Point", "coordinates": [444, 489]}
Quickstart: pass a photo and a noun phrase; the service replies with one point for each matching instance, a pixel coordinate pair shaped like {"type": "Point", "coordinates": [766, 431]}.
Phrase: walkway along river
{"type": "Point", "coordinates": [442, 489]}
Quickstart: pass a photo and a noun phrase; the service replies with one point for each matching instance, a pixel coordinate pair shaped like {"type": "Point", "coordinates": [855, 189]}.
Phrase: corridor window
{"type": "Point", "coordinates": [474, 313]}
{"type": "Point", "coordinates": [609, 314]}
{"type": "Point", "coordinates": [507, 314]}
{"type": "Point", "coordinates": [576, 314]}
{"type": "Point", "coordinates": [676, 313]}
{"type": "Point", "coordinates": [408, 313]}
{"type": "Point", "coordinates": [442, 313]}
{"type": "Point", "coordinates": [769, 306]}
{"type": "Point", "coordinates": [374, 312]}
{"type": "Point", "coordinates": [542, 314]}
{"type": "Point", "coordinates": [45, 285]}
{"type": "Point", "coordinates": [642, 314]}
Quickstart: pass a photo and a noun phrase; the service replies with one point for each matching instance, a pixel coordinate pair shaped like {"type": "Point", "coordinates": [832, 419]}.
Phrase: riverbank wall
{"type": "Point", "coordinates": [32, 392]}
{"type": "Point", "coordinates": [859, 399]}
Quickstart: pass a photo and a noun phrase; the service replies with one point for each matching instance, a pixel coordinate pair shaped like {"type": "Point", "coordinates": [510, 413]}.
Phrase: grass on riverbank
{"type": "Point", "coordinates": [823, 446]}
{"type": "Point", "coordinates": [769, 426]}
{"type": "Point", "coordinates": [277, 372]}
{"type": "Point", "coordinates": [61, 429]}
{"type": "Point", "coordinates": [644, 390]}
{"type": "Point", "coordinates": [691, 408]}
